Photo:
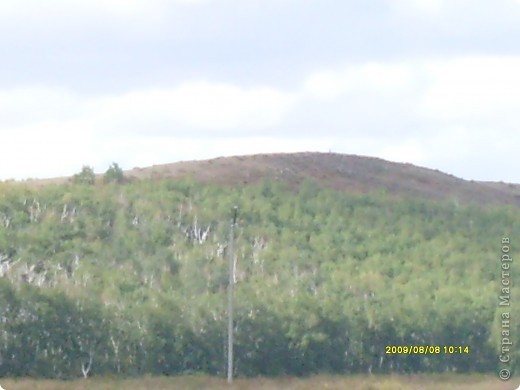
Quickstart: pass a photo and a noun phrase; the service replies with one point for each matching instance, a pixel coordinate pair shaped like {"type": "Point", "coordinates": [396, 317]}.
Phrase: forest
{"type": "Point", "coordinates": [112, 276]}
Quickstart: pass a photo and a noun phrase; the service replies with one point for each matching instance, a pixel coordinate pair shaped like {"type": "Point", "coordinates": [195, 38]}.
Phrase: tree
{"type": "Point", "coordinates": [86, 176]}
{"type": "Point", "coordinates": [114, 174]}
{"type": "Point", "coordinates": [100, 280]}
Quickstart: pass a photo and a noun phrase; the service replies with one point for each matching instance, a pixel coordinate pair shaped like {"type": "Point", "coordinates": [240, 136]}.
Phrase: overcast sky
{"type": "Point", "coordinates": [141, 82]}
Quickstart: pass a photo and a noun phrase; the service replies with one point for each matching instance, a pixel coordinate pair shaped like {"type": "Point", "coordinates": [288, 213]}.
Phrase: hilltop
{"type": "Point", "coordinates": [348, 173]}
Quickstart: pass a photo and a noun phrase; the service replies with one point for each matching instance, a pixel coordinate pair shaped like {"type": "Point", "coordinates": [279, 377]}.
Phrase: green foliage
{"type": "Point", "coordinates": [136, 276]}
{"type": "Point", "coordinates": [114, 174]}
{"type": "Point", "coordinates": [86, 176]}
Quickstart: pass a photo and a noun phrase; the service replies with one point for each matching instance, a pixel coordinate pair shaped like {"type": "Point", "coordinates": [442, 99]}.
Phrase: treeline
{"type": "Point", "coordinates": [128, 278]}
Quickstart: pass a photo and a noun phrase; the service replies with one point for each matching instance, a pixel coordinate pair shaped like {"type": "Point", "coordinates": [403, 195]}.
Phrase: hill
{"type": "Point", "coordinates": [337, 259]}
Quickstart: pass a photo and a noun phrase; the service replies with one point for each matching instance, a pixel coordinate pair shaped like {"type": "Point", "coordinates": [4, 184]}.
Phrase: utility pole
{"type": "Point", "coordinates": [230, 295]}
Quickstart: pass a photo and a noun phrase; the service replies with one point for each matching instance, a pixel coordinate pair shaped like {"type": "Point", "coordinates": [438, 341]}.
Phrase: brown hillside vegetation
{"type": "Point", "coordinates": [349, 173]}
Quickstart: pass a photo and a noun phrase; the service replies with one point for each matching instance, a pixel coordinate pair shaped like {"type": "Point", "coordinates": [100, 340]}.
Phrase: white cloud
{"type": "Point", "coordinates": [202, 105]}
{"type": "Point", "coordinates": [197, 105]}
{"type": "Point", "coordinates": [434, 113]}
{"type": "Point", "coordinates": [473, 88]}
{"type": "Point", "coordinates": [33, 104]}
{"type": "Point", "coordinates": [442, 113]}
{"type": "Point", "coordinates": [44, 149]}
{"type": "Point", "coordinates": [406, 151]}
{"type": "Point", "coordinates": [365, 78]}
{"type": "Point", "coordinates": [44, 127]}
{"type": "Point", "coordinates": [465, 88]}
